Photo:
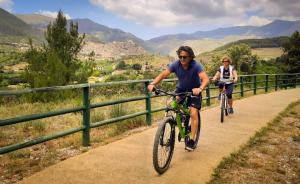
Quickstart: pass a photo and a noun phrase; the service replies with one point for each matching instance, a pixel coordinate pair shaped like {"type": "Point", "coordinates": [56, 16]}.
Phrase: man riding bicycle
{"type": "Point", "coordinates": [227, 73]}
{"type": "Point", "coordinates": [192, 78]}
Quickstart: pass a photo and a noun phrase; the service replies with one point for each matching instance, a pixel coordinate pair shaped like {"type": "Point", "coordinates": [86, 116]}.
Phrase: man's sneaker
{"type": "Point", "coordinates": [231, 110]}
{"type": "Point", "coordinates": [190, 145]}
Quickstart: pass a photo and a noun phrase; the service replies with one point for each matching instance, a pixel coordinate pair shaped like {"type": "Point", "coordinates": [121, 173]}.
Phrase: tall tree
{"type": "Point", "coordinates": [239, 54]}
{"type": "Point", "coordinates": [291, 55]}
{"type": "Point", "coordinates": [56, 62]}
{"type": "Point", "coordinates": [67, 44]}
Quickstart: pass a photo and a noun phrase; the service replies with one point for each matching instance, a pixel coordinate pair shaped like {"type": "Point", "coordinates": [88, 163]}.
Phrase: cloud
{"type": "Point", "coordinates": [169, 13]}
{"type": "Point", "coordinates": [256, 21]}
{"type": "Point", "coordinates": [51, 14]}
{"type": "Point", "coordinates": [6, 4]}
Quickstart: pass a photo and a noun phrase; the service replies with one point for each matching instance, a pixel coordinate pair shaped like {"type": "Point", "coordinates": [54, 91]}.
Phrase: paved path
{"type": "Point", "coordinates": [129, 160]}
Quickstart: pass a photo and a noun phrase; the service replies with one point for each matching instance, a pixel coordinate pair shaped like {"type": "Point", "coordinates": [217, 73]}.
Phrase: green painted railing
{"type": "Point", "coordinates": [247, 83]}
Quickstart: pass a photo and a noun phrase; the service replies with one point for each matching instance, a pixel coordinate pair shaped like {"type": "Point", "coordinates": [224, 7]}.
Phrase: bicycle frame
{"type": "Point", "coordinates": [180, 110]}
{"type": "Point", "coordinates": [224, 95]}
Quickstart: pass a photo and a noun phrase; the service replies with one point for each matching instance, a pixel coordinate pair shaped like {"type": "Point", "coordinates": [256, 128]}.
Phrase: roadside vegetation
{"type": "Point", "coordinates": [270, 156]}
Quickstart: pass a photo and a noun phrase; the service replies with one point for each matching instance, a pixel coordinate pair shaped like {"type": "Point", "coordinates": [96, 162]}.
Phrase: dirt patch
{"type": "Point", "coordinates": [271, 156]}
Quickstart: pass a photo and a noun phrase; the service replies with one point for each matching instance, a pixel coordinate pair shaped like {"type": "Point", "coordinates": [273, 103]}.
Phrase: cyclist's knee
{"type": "Point", "coordinates": [194, 113]}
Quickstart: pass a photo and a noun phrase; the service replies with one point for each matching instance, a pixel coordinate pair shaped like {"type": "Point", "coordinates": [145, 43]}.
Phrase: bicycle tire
{"type": "Point", "coordinates": [226, 105]}
{"type": "Point", "coordinates": [222, 108]}
{"type": "Point", "coordinates": [159, 142]}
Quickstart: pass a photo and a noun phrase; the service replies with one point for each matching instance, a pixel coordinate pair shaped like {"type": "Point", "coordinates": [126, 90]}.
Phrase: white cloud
{"type": "Point", "coordinates": [6, 4]}
{"type": "Point", "coordinates": [256, 21]}
{"type": "Point", "coordinates": [167, 13]}
{"type": "Point", "coordinates": [51, 14]}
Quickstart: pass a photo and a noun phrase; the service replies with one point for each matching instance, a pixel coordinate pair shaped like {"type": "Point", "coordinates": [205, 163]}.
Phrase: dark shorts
{"type": "Point", "coordinates": [229, 89]}
{"type": "Point", "coordinates": [195, 102]}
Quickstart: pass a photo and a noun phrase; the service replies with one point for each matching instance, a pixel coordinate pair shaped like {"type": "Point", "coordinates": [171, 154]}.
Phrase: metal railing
{"type": "Point", "coordinates": [246, 83]}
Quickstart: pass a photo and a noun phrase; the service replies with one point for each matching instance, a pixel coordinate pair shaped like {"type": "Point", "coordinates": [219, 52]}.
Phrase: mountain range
{"type": "Point", "coordinates": [30, 24]}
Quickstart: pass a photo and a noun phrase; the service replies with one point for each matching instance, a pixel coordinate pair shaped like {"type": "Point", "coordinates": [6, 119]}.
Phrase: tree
{"type": "Point", "coordinates": [213, 66]}
{"type": "Point", "coordinates": [66, 44]}
{"type": "Point", "coordinates": [56, 62]}
{"type": "Point", "coordinates": [238, 54]}
{"type": "Point", "coordinates": [136, 66]}
{"type": "Point", "coordinates": [121, 65]}
{"type": "Point", "coordinates": [291, 55]}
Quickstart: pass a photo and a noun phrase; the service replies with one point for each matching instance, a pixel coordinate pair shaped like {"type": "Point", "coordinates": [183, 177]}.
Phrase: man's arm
{"type": "Point", "coordinates": [204, 82]}
{"type": "Point", "coordinates": [160, 77]}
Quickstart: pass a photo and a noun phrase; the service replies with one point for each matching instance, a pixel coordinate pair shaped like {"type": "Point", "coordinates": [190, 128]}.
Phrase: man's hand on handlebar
{"type": "Point", "coordinates": [151, 87]}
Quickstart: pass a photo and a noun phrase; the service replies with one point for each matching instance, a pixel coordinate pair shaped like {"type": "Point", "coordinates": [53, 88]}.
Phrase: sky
{"type": "Point", "coordinates": [151, 18]}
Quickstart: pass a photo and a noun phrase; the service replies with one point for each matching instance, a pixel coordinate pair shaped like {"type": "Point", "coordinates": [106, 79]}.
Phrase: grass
{"type": "Point", "coordinates": [225, 172]}
{"type": "Point", "coordinates": [24, 162]}
{"type": "Point", "coordinates": [267, 53]}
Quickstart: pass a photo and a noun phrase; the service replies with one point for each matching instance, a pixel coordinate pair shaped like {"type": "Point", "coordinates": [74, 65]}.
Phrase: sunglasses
{"type": "Point", "coordinates": [225, 61]}
{"type": "Point", "coordinates": [183, 57]}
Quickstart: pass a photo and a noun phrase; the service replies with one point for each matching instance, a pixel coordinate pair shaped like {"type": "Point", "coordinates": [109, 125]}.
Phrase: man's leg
{"type": "Point", "coordinates": [194, 122]}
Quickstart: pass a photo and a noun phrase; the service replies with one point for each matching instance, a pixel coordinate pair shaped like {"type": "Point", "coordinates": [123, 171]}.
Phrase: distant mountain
{"type": "Point", "coordinates": [168, 43]}
{"type": "Point", "coordinates": [103, 33]}
{"type": "Point", "coordinates": [13, 26]}
{"type": "Point", "coordinates": [35, 20]}
{"type": "Point", "coordinates": [276, 28]}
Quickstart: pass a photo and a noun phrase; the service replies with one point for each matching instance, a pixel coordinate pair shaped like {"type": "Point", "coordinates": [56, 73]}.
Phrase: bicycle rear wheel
{"type": "Point", "coordinates": [226, 110]}
{"type": "Point", "coordinates": [163, 145]}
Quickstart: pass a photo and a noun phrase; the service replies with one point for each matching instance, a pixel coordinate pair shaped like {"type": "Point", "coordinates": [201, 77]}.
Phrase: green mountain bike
{"type": "Point", "coordinates": [176, 114]}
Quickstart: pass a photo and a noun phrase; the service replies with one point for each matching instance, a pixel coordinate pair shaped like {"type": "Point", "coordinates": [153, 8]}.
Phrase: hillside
{"type": "Point", "coordinates": [111, 50]}
{"type": "Point", "coordinates": [206, 44]}
{"type": "Point", "coordinates": [265, 48]}
{"type": "Point", "coordinates": [35, 20]}
{"type": "Point", "coordinates": [98, 33]}
{"type": "Point", "coordinates": [259, 43]}
{"type": "Point", "coordinates": [13, 26]}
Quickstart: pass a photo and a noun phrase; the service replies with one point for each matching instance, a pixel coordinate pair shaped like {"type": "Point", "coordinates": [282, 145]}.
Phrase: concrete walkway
{"type": "Point", "coordinates": [129, 160]}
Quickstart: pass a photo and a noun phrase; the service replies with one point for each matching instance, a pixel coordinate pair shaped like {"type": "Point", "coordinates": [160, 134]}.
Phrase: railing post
{"type": "Point", "coordinates": [276, 82]}
{"type": "Point", "coordinates": [254, 84]}
{"type": "Point", "coordinates": [267, 83]}
{"type": "Point", "coordinates": [86, 117]}
{"type": "Point", "coordinates": [242, 86]}
{"type": "Point", "coordinates": [148, 103]}
{"type": "Point", "coordinates": [295, 81]}
{"type": "Point", "coordinates": [207, 96]}
{"type": "Point", "coordinates": [285, 82]}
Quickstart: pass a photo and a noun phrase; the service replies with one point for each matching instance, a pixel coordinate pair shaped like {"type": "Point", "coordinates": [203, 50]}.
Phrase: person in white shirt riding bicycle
{"type": "Point", "coordinates": [227, 73]}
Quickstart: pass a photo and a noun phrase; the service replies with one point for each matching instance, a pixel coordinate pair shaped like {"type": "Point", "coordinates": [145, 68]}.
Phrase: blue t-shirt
{"type": "Point", "coordinates": [188, 79]}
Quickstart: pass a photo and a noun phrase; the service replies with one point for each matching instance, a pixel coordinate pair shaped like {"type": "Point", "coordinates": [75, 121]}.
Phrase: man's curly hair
{"type": "Point", "coordinates": [186, 49]}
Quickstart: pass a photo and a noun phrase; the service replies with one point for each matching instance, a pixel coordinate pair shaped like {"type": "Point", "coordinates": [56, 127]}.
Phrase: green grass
{"type": "Point", "coordinates": [236, 156]}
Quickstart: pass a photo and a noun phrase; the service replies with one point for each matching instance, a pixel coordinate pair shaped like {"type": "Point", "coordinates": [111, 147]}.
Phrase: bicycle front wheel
{"type": "Point", "coordinates": [222, 107]}
{"type": "Point", "coordinates": [164, 145]}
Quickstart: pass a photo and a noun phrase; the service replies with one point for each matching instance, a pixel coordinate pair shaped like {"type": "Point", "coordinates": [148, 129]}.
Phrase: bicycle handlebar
{"type": "Point", "coordinates": [157, 91]}
{"type": "Point", "coordinates": [226, 80]}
